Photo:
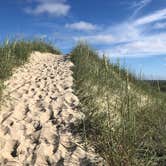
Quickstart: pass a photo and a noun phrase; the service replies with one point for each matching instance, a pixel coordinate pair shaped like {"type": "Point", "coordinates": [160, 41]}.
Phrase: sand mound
{"type": "Point", "coordinates": [38, 116]}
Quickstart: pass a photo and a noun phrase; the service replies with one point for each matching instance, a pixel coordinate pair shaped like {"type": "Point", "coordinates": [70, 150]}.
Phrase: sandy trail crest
{"type": "Point", "coordinates": [38, 114]}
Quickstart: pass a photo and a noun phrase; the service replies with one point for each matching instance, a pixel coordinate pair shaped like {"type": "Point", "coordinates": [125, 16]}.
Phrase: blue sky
{"type": "Point", "coordinates": [134, 30]}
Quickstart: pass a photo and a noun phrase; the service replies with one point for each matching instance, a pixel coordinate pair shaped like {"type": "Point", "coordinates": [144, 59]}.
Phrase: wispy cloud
{"type": "Point", "coordinates": [82, 25]}
{"type": "Point", "coordinates": [100, 38]}
{"type": "Point", "coordinates": [147, 46]}
{"type": "Point", "coordinates": [120, 33]}
{"type": "Point", "coordinates": [156, 16]}
{"type": "Point", "coordinates": [134, 38]}
{"type": "Point", "coordinates": [160, 25]}
{"type": "Point", "coordinates": [51, 7]}
{"type": "Point", "coordinates": [138, 6]}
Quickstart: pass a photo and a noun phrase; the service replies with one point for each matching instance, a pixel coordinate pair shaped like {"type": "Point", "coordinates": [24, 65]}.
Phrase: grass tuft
{"type": "Point", "coordinates": [124, 116]}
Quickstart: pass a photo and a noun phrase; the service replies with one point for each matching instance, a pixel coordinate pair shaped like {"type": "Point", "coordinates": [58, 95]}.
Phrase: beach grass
{"type": "Point", "coordinates": [124, 116]}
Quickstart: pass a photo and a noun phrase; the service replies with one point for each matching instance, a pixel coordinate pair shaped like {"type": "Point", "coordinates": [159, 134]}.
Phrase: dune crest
{"type": "Point", "coordinates": [38, 116]}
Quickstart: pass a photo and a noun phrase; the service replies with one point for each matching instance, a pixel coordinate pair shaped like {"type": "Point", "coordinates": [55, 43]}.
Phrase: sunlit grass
{"type": "Point", "coordinates": [124, 117]}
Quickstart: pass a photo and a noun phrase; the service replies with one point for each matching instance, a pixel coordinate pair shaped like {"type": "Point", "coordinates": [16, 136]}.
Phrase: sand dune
{"type": "Point", "coordinates": [38, 116]}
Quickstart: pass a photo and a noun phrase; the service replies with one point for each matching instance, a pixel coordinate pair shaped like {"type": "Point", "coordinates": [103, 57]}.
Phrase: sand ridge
{"type": "Point", "coordinates": [38, 116]}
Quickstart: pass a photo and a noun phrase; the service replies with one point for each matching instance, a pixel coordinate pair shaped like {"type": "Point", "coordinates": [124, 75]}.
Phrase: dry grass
{"type": "Point", "coordinates": [124, 117]}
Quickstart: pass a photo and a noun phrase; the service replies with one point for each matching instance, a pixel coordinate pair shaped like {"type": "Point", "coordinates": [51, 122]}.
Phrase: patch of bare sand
{"type": "Point", "coordinates": [38, 116]}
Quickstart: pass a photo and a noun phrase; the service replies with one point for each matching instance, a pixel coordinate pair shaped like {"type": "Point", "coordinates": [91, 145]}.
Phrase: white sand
{"type": "Point", "coordinates": [38, 115]}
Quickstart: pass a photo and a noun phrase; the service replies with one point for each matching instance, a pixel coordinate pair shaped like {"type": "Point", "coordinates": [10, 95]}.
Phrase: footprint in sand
{"type": "Point", "coordinates": [37, 131]}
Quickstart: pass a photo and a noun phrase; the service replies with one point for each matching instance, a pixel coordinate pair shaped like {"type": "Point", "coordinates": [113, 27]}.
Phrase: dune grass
{"type": "Point", "coordinates": [16, 53]}
{"type": "Point", "coordinates": [124, 116]}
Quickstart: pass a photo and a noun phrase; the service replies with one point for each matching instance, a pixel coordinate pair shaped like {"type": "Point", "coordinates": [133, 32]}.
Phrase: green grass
{"type": "Point", "coordinates": [124, 116]}
{"type": "Point", "coordinates": [16, 53]}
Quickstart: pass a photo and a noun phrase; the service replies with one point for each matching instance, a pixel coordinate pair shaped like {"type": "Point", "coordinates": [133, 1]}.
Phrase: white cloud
{"type": "Point", "coordinates": [148, 46]}
{"type": "Point", "coordinates": [138, 6]}
{"type": "Point", "coordinates": [116, 34]}
{"type": "Point", "coordinates": [85, 26]}
{"type": "Point", "coordinates": [156, 16]}
{"type": "Point", "coordinates": [56, 8]}
{"type": "Point", "coordinates": [132, 38]}
{"type": "Point", "coordinates": [160, 25]}
{"type": "Point", "coordinates": [100, 38]}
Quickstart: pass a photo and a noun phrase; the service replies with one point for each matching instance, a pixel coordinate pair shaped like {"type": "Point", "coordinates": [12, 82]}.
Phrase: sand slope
{"type": "Point", "coordinates": [38, 116]}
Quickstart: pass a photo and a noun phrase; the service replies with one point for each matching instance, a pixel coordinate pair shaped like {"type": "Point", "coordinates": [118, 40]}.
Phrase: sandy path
{"type": "Point", "coordinates": [38, 116]}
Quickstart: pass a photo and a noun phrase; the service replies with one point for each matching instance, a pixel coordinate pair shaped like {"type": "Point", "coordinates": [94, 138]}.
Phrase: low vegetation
{"type": "Point", "coordinates": [124, 116]}
{"type": "Point", "coordinates": [16, 53]}
{"type": "Point", "coordinates": [158, 84]}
